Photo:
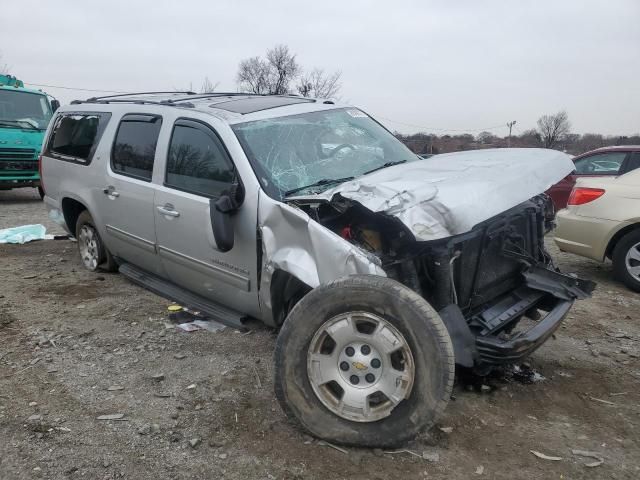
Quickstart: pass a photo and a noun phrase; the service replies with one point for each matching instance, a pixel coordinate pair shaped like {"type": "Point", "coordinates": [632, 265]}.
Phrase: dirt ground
{"type": "Point", "coordinates": [75, 346]}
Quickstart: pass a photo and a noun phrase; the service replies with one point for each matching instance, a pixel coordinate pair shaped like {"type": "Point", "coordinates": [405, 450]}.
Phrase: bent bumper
{"type": "Point", "coordinates": [492, 350]}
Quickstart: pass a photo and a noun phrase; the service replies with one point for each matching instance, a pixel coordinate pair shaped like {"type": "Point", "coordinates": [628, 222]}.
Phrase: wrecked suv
{"type": "Point", "coordinates": [381, 269]}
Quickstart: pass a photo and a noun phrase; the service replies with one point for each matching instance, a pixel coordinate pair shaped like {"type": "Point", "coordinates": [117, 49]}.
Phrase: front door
{"type": "Point", "coordinates": [126, 200]}
{"type": "Point", "coordinates": [198, 170]}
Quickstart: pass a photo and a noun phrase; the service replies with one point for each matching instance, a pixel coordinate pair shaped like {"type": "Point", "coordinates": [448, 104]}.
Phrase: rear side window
{"type": "Point", "coordinates": [634, 161]}
{"type": "Point", "coordinates": [134, 147]}
{"type": "Point", "coordinates": [198, 162]}
{"type": "Point", "coordinates": [606, 163]}
{"type": "Point", "coordinates": [75, 136]}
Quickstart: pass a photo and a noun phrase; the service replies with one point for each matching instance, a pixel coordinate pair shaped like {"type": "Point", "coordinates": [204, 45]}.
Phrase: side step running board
{"type": "Point", "coordinates": [166, 289]}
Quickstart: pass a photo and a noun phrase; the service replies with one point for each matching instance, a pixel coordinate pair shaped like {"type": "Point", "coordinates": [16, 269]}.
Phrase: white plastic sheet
{"type": "Point", "coordinates": [24, 234]}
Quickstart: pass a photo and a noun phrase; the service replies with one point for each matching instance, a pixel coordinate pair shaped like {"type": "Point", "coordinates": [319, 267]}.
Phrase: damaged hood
{"type": "Point", "coordinates": [450, 193]}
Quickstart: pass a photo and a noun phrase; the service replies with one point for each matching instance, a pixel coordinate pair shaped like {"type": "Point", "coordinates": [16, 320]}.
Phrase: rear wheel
{"type": "Point", "coordinates": [93, 253]}
{"type": "Point", "coordinates": [626, 260]}
{"type": "Point", "coordinates": [41, 193]}
{"type": "Point", "coordinates": [364, 361]}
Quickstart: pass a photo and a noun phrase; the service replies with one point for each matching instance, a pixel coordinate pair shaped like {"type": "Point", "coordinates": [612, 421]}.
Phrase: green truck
{"type": "Point", "coordinates": [24, 117]}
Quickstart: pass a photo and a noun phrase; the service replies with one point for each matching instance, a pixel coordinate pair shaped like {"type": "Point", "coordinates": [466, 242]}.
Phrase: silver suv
{"type": "Point", "coordinates": [381, 269]}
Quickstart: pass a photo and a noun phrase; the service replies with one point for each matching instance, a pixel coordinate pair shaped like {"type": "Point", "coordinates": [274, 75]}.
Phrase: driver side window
{"type": "Point", "coordinates": [198, 162]}
{"type": "Point", "coordinates": [608, 163]}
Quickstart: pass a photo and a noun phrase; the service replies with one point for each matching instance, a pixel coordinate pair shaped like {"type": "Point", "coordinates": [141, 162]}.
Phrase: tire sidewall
{"type": "Point", "coordinates": [411, 315]}
{"type": "Point", "coordinates": [619, 259]}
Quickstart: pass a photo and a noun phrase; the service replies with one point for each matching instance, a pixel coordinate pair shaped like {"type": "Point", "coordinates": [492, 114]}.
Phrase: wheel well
{"type": "Point", "coordinates": [71, 209]}
{"type": "Point", "coordinates": [286, 291]}
{"type": "Point", "coordinates": [616, 238]}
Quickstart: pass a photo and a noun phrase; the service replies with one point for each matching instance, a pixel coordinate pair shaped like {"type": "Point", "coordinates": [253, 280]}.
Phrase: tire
{"type": "Point", "coordinates": [41, 193]}
{"type": "Point", "coordinates": [408, 315]}
{"type": "Point", "coordinates": [627, 245]}
{"type": "Point", "coordinates": [93, 253]}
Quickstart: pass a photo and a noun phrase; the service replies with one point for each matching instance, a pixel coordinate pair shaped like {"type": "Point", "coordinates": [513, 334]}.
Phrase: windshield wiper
{"type": "Point", "coordinates": [388, 164]}
{"type": "Point", "coordinates": [319, 183]}
{"type": "Point", "coordinates": [19, 124]}
{"type": "Point", "coordinates": [10, 124]}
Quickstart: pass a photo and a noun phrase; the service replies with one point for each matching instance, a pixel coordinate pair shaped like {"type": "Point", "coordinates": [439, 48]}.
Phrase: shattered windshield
{"type": "Point", "coordinates": [24, 110]}
{"type": "Point", "coordinates": [312, 151]}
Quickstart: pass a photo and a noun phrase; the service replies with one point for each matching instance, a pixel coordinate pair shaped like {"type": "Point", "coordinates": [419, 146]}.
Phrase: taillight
{"type": "Point", "coordinates": [582, 195]}
{"type": "Point", "coordinates": [40, 172]}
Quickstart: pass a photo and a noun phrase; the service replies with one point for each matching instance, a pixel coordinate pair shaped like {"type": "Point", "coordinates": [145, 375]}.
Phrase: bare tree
{"type": "Point", "coordinates": [208, 86]}
{"type": "Point", "coordinates": [272, 75]}
{"type": "Point", "coordinates": [319, 84]}
{"type": "Point", "coordinates": [253, 75]}
{"type": "Point", "coordinates": [553, 128]}
{"type": "Point", "coordinates": [283, 69]}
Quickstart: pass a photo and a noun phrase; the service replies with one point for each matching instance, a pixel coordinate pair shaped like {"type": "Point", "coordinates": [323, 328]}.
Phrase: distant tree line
{"type": "Point", "coordinates": [554, 131]}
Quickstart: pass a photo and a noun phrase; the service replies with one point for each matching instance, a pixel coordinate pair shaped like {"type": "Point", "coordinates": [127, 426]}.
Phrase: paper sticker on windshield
{"type": "Point", "coordinates": [355, 113]}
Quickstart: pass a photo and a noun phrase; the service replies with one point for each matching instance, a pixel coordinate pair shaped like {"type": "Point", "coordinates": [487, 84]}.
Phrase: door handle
{"type": "Point", "coordinates": [168, 210]}
{"type": "Point", "coordinates": [111, 192]}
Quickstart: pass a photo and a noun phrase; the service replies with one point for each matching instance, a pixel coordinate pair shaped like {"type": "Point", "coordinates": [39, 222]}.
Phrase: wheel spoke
{"type": "Point", "coordinates": [635, 271]}
{"type": "Point", "coordinates": [354, 399]}
{"type": "Point", "coordinates": [324, 368]}
{"type": "Point", "coordinates": [343, 330]}
{"type": "Point", "coordinates": [388, 342]}
{"type": "Point", "coordinates": [633, 254]}
{"type": "Point", "coordinates": [393, 385]}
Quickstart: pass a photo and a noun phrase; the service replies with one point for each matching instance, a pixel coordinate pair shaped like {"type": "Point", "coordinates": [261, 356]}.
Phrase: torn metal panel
{"type": "Point", "coordinates": [449, 194]}
{"type": "Point", "coordinates": [295, 243]}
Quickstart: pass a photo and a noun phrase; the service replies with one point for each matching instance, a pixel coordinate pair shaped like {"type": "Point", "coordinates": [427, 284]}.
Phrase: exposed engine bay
{"type": "Point", "coordinates": [488, 278]}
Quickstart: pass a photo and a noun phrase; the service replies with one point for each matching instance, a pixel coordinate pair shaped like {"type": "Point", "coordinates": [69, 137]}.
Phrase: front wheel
{"type": "Point", "coordinates": [626, 260]}
{"type": "Point", "coordinates": [364, 361]}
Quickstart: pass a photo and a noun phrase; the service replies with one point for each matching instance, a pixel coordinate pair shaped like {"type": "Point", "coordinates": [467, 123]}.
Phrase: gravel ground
{"type": "Point", "coordinates": [76, 346]}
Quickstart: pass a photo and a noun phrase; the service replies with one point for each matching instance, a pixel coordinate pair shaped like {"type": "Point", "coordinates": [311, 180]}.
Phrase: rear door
{"type": "Point", "coordinates": [198, 170]}
{"type": "Point", "coordinates": [127, 195]}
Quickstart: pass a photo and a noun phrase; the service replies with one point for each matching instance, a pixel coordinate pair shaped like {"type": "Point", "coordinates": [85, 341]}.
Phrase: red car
{"type": "Point", "coordinates": [606, 161]}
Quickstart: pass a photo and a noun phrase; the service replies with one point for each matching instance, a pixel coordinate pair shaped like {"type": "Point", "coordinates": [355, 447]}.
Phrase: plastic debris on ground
{"type": "Point", "coordinates": [24, 234]}
{"type": "Point", "coordinates": [191, 321]}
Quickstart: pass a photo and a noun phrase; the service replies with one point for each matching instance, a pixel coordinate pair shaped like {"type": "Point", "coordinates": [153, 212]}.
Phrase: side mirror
{"type": "Point", "coordinates": [220, 212]}
{"type": "Point", "coordinates": [55, 105]}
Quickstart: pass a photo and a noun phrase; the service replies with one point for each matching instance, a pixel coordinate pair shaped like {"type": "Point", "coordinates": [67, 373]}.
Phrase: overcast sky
{"type": "Point", "coordinates": [416, 65]}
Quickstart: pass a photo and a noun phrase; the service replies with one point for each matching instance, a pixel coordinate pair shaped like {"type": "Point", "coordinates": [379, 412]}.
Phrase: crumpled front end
{"type": "Point", "coordinates": [450, 194]}
{"type": "Point", "coordinates": [465, 231]}
{"type": "Point", "coordinates": [292, 242]}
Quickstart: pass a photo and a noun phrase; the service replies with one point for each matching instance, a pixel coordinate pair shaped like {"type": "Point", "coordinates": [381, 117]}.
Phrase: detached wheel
{"type": "Point", "coordinates": [626, 260]}
{"type": "Point", "coordinates": [364, 361]}
{"type": "Point", "coordinates": [92, 250]}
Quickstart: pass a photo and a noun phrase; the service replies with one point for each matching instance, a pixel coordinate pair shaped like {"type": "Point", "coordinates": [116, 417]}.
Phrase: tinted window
{"type": "Point", "coordinates": [135, 146]}
{"type": "Point", "coordinates": [75, 136]}
{"type": "Point", "coordinates": [634, 161]}
{"type": "Point", "coordinates": [608, 163]}
{"type": "Point", "coordinates": [197, 161]}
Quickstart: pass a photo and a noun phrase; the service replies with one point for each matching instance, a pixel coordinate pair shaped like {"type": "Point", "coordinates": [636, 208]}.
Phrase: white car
{"type": "Point", "coordinates": [602, 221]}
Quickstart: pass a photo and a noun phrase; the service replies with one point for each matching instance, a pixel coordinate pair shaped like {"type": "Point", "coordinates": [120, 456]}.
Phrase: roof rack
{"type": "Point", "coordinates": [167, 103]}
{"type": "Point", "coordinates": [185, 92]}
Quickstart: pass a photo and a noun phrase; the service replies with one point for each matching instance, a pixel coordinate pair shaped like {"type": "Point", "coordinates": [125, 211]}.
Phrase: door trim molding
{"type": "Point", "coordinates": [140, 242]}
{"type": "Point", "coordinates": [226, 275]}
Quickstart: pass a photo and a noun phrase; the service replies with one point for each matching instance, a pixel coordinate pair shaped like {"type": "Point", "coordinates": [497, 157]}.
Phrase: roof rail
{"type": "Point", "coordinates": [200, 96]}
{"type": "Point", "coordinates": [186, 92]}
{"type": "Point", "coordinates": [168, 103]}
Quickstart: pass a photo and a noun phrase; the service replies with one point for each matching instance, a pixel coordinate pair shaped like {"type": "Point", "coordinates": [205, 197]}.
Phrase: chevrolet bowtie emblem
{"type": "Point", "coordinates": [359, 366]}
